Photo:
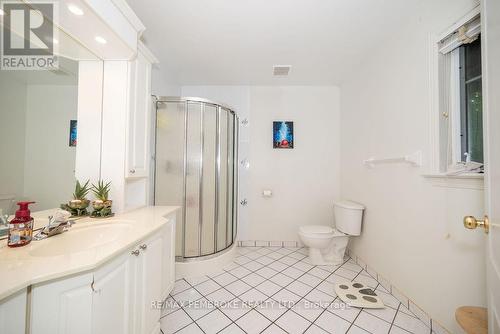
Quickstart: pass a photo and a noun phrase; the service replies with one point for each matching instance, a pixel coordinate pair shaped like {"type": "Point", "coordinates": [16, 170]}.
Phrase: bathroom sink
{"type": "Point", "coordinates": [79, 239]}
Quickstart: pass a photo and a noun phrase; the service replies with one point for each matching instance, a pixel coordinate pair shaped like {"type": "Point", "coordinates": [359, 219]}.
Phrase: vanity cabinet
{"type": "Point", "coordinates": [12, 310]}
{"type": "Point", "coordinates": [149, 283]}
{"type": "Point", "coordinates": [168, 262]}
{"type": "Point", "coordinates": [138, 129]}
{"type": "Point", "coordinates": [62, 306]}
{"type": "Point", "coordinates": [115, 298]}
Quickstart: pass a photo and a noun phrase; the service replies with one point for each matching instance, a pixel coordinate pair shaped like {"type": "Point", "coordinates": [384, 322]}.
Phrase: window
{"type": "Point", "coordinates": [460, 98]}
{"type": "Point", "coordinates": [471, 106]}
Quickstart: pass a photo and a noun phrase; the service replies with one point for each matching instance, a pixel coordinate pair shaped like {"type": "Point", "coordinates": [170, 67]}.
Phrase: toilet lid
{"type": "Point", "coordinates": [316, 229]}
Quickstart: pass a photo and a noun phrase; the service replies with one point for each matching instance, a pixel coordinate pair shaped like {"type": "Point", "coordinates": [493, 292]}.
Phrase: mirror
{"type": "Point", "coordinates": [50, 127]}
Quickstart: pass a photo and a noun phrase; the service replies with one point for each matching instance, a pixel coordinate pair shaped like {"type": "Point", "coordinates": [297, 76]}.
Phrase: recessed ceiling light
{"type": "Point", "coordinates": [100, 39]}
{"type": "Point", "coordinates": [55, 41]}
{"type": "Point", "coordinates": [75, 10]}
{"type": "Point", "coordinates": [2, 13]}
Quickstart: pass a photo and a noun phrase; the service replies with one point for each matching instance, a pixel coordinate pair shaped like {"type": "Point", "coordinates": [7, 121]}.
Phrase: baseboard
{"type": "Point", "coordinates": [434, 326]}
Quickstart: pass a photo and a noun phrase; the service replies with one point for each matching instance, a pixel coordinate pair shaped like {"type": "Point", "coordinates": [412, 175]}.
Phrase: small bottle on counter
{"type": "Point", "coordinates": [21, 227]}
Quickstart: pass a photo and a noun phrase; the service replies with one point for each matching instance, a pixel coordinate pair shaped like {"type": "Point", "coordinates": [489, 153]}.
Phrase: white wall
{"type": "Point", "coordinates": [163, 84]}
{"type": "Point", "coordinates": [412, 233]}
{"type": "Point", "coordinates": [305, 180]}
{"type": "Point", "coordinates": [12, 133]}
{"type": "Point", "coordinates": [49, 160]}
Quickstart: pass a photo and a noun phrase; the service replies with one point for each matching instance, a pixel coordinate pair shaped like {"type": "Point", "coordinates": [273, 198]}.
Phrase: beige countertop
{"type": "Point", "coordinates": [23, 266]}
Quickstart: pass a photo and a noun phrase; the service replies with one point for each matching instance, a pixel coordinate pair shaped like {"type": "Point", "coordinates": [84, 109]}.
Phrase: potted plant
{"type": "Point", "coordinates": [78, 205]}
{"type": "Point", "coordinates": [102, 203]}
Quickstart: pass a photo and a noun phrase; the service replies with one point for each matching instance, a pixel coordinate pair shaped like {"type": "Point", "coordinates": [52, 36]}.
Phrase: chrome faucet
{"type": "Point", "coordinates": [4, 224]}
{"type": "Point", "coordinates": [56, 225]}
{"type": "Point", "coordinates": [4, 219]}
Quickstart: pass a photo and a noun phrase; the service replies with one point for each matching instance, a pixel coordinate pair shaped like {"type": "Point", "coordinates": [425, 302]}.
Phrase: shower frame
{"type": "Point", "coordinates": [221, 107]}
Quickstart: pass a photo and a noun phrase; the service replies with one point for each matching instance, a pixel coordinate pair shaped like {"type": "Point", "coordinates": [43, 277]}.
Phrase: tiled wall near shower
{"type": "Point", "coordinates": [264, 243]}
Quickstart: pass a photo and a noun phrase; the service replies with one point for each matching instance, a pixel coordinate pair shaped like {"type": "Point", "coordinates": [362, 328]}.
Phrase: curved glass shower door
{"type": "Point", "coordinates": [196, 150]}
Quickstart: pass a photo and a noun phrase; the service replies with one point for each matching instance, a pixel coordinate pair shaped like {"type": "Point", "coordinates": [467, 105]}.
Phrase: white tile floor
{"type": "Point", "coordinates": [276, 290]}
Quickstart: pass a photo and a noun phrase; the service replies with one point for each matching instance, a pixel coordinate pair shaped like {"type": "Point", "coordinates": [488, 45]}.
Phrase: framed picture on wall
{"type": "Point", "coordinates": [72, 132]}
{"type": "Point", "coordinates": [283, 134]}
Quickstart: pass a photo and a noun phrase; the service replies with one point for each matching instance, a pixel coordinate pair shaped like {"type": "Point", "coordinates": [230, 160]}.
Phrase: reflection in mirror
{"type": "Point", "coordinates": [40, 127]}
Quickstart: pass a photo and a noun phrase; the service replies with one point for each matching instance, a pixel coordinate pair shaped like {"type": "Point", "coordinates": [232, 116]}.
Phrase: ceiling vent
{"type": "Point", "coordinates": [281, 70]}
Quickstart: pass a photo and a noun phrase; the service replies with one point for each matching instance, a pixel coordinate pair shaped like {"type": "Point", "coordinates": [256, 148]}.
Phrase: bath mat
{"type": "Point", "coordinates": [358, 295]}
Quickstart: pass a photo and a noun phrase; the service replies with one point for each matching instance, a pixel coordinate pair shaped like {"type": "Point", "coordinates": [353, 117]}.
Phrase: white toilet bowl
{"type": "Point", "coordinates": [326, 245]}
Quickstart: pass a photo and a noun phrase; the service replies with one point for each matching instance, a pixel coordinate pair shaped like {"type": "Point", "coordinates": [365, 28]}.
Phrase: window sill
{"type": "Point", "coordinates": [473, 176]}
{"type": "Point", "coordinates": [461, 181]}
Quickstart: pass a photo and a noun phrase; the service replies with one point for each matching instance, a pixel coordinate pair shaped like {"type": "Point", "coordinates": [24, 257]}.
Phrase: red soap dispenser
{"type": "Point", "coordinates": [21, 227]}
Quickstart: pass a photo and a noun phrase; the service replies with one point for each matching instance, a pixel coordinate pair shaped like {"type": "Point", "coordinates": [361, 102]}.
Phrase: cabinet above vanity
{"type": "Point", "coordinates": [88, 119]}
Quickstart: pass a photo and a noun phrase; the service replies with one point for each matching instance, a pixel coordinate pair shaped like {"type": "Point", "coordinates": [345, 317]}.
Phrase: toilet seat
{"type": "Point", "coordinates": [320, 231]}
{"type": "Point", "coordinates": [326, 244]}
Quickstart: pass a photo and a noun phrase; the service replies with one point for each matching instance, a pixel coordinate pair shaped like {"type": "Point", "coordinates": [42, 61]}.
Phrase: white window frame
{"type": "Point", "coordinates": [455, 107]}
{"type": "Point", "coordinates": [435, 168]}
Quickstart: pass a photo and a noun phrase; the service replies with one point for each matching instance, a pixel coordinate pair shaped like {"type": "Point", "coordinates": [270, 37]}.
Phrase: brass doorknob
{"type": "Point", "coordinates": [472, 223]}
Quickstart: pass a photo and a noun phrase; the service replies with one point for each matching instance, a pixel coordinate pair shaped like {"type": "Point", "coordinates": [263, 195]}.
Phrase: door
{"type": "Point", "coordinates": [13, 313]}
{"type": "Point", "coordinates": [169, 170]}
{"type": "Point", "coordinates": [490, 12]}
{"type": "Point", "coordinates": [168, 259]}
{"type": "Point", "coordinates": [138, 119]}
{"type": "Point", "coordinates": [149, 284]}
{"type": "Point", "coordinates": [112, 299]}
{"type": "Point", "coordinates": [66, 302]}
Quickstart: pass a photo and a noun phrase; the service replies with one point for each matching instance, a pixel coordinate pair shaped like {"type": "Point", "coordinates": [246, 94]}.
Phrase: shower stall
{"type": "Point", "coordinates": [196, 168]}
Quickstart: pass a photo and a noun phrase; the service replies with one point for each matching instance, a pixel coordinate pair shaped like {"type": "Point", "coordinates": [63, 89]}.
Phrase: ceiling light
{"type": "Point", "coordinates": [281, 70]}
{"type": "Point", "coordinates": [55, 41]}
{"type": "Point", "coordinates": [100, 39]}
{"type": "Point", "coordinates": [2, 13]}
{"type": "Point", "coordinates": [75, 10]}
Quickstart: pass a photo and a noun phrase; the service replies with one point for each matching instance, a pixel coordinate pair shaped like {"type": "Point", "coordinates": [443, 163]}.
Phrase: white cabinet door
{"type": "Point", "coordinates": [138, 119]}
{"type": "Point", "coordinates": [13, 314]}
{"type": "Point", "coordinates": [168, 261]}
{"type": "Point", "coordinates": [149, 283]}
{"type": "Point", "coordinates": [63, 306]}
{"type": "Point", "coordinates": [113, 296]}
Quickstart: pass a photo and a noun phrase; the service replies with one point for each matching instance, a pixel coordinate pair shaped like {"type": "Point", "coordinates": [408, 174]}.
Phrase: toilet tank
{"type": "Point", "coordinates": [348, 217]}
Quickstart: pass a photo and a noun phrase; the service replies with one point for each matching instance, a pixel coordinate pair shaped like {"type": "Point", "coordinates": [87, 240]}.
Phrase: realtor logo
{"type": "Point", "coordinates": [28, 36]}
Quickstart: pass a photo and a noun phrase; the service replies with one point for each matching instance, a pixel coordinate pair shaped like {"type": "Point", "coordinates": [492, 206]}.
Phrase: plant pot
{"type": "Point", "coordinates": [99, 204]}
{"type": "Point", "coordinates": [78, 204]}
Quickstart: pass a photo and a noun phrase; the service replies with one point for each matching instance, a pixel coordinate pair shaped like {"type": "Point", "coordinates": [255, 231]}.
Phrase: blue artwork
{"type": "Point", "coordinates": [72, 132]}
{"type": "Point", "coordinates": [283, 134]}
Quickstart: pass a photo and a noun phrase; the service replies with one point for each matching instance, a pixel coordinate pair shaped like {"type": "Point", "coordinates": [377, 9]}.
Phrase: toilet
{"type": "Point", "coordinates": [327, 244]}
